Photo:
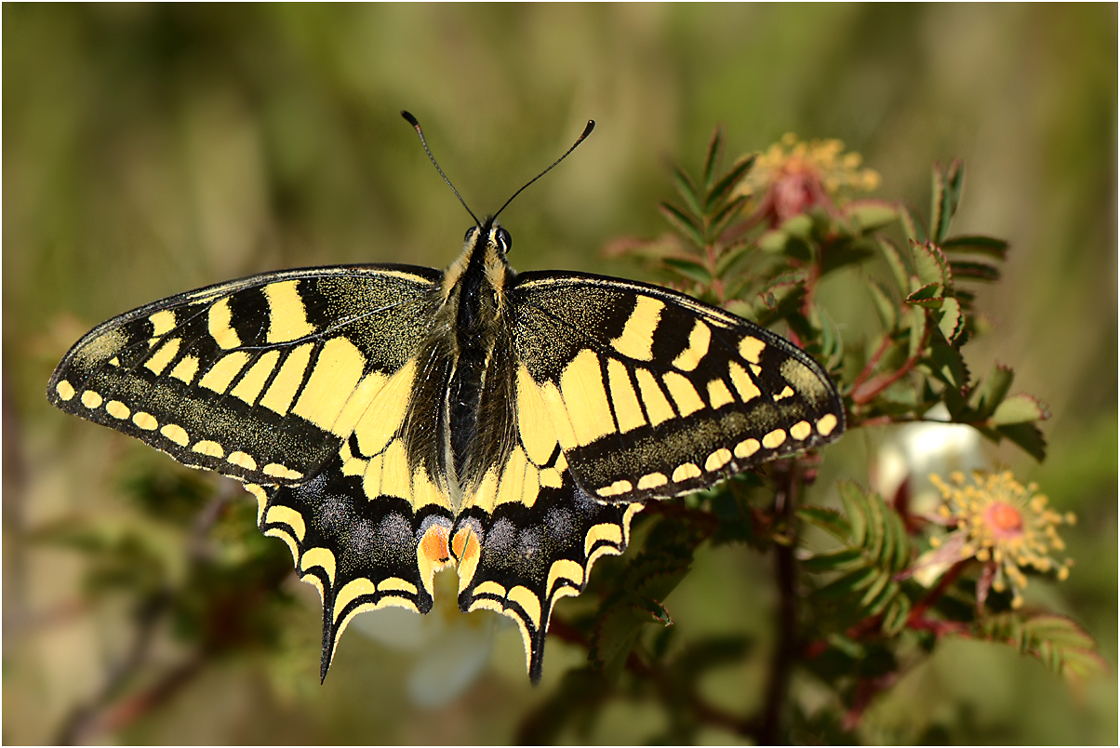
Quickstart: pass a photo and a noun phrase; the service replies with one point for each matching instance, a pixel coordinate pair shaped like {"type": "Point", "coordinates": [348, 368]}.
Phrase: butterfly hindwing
{"type": "Point", "coordinates": [654, 394]}
{"type": "Point", "coordinates": [259, 378]}
{"type": "Point", "coordinates": [361, 552]}
{"type": "Point", "coordinates": [520, 558]}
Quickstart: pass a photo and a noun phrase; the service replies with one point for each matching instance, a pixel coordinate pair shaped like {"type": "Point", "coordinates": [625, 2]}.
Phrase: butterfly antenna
{"type": "Point", "coordinates": [416, 126]}
{"type": "Point", "coordinates": [583, 136]}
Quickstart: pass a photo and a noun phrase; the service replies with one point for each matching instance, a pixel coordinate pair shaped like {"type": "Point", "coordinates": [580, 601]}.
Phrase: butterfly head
{"type": "Point", "coordinates": [494, 238]}
{"type": "Point", "coordinates": [482, 264]}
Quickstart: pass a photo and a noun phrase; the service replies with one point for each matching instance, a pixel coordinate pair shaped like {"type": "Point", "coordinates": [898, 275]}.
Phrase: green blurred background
{"type": "Point", "coordinates": [153, 149]}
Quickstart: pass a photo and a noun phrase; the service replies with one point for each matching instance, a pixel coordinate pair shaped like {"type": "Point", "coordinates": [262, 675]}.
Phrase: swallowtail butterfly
{"type": "Point", "coordinates": [393, 421]}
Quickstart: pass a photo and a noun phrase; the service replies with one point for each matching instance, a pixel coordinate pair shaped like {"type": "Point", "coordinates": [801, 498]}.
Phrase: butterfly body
{"type": "Point", "coordinates": [393, 421]}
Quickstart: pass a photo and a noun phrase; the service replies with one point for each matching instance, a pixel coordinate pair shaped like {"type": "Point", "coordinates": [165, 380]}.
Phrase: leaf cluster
{"type": "Point", "coordinates": [858, 606]}
{"type": "Point", "coordinates": [724, 250]}
{"type": "Point", "coordinates": [1055, 641]}
{"type": "Point", "coordinates": [875, 548]}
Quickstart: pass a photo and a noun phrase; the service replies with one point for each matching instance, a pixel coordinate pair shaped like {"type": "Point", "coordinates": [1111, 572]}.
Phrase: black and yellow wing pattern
{"type": "Point", "coordinates": [393, 421]}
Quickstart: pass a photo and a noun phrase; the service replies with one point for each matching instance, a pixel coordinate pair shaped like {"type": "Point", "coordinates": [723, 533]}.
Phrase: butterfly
{"type": "Point", "coordinates": [392, 421]}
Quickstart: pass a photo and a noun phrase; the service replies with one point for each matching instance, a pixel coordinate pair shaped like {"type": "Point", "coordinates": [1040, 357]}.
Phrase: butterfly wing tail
{"type": "Point", "coordinates": [520, 560]}
{"type": "Point", "coordinates": [359, 554]}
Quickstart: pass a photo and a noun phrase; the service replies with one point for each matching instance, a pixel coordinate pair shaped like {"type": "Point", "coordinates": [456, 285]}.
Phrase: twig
{"type": "Point", "coordinates": [97, 714]}
{"type": "Point", "coordinates": [84, 717]}
{"type": "Point", "coordinates": [126, 711]}
{"type": "Point", "coordinates": [866, 690]}
{"type": "Point", "coordinates": [869, 390]}
{"type": "Point", "coordinates": [872, 363]}
{"type": "Point", "coordinates": [917, 613]}
{"type": "Point", "coordinates": [787, 647]}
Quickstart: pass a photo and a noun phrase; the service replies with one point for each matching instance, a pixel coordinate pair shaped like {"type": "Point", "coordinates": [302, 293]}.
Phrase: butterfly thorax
{"type": "Point", "coordinates": [472, 305]}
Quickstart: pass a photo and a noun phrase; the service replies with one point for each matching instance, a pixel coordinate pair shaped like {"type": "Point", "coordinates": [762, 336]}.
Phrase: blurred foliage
{"type": "Point", "coordinates": [152, 149]}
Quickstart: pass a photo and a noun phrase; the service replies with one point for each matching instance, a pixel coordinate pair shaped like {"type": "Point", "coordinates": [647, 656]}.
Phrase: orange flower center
{"type": "Point", "coordinates": [1004, 519]}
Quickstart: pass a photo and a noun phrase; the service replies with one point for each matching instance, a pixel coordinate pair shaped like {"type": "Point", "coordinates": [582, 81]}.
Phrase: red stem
{"type": "Point", "coordinates": [872, 362]}
{"type": "Point", "coordinates": [917, 613]}
{"type": "Point", "coordinates": [870, 390]}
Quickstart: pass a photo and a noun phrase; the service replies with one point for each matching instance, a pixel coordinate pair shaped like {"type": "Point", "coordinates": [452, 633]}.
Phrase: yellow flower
{"type": "Point", "coordinates": [1004, 524]}
{"type": "Point", "coordinates": [793, 176]}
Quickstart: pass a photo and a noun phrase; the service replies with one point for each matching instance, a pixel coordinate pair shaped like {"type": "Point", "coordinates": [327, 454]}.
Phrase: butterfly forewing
{"type": "Point", "coordinates": [653, 394]}
{"type": "Point", "coordinates": [259, 378]}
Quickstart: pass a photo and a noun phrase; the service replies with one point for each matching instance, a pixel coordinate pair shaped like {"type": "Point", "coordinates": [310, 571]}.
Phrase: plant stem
{"type": "Point", "coordinates": [917, 613]}
{"type": "Point", "coordinates": [872, 362]}
{"type": "Point", "coordinates": [786, 650]}
{"type": "Point", "coordinates": [869, 390]}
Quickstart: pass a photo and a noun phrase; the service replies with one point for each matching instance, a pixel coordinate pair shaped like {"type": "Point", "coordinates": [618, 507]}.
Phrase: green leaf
{"type": "Point", "coordinates": [773, 241]}
{"type": "Point", "coordinates": [952, 319]}
{"type": "Point", "coordinates": [829, 520]}
{"type": "Point", "coordinates": [781, 300]}
{"type": "Point", "coordinates": [800, 226]}
{"type": "Point", "coordinates": [947, 184]}
{"type": "Point", "coordinates": [929, 296]}
{"type": "Point", "coordinates": [894, 620]}
{"type": "Point", "coordinates": [873, 596]}
{"type": "Point", "coordinates": [868, 215]}
{"type": "Point", "coordinates": [851, 495]}
{"type": "Point", "coordinates": [1028, 436]}
{"type": "Point", "coordinates": [723, 218]}
{"type": "Point", "coordinates": [657, 586]}
{"type": "Point", "coordinates": [977, 271]}
{"type": "Point", "coordinates": [937, 202]}
{"type": "Point", "coordinates": [877, 543]}
{"type": "Point", "coordinates": [848, 646]}
{"type": "Point", "coordinates": [884, 304]}
{"type": "Point", "coordinates": [918, 322]}
{"type": "Point", "coordinates": [1055, 641]}
{"type": "Point", "coordinates": [841, 560]}
{"type": "Point", "coordinates": [724, 187]}
{"type": "Point", "coordinates": [687, 190]}
{"type": "Point", "coordinates": [899, 271]}
{"type": "Point", "coordinates": [930, 264]}
{"type": "Point", "coordinates": [994, 390]}
{"type": "Point", "coordinates": [847, 585]}
{"type": "Point", "coordinates": [901, 541]}
{"type": "Point", "coordinates": [843, 253]}
{"type": "Point", "coordinates": [984, 245]}
{"type": "Point", "coordinates": [955, 185]}
{"type": "Point", "coordinates": [730, 256]}
{"type": "Point", "coordinates": [1019, 409]}
{"type": "Point", "coordinates": [689, 268]}
{"type": "Point", "coordinates": [615, 635]}
{"type": "Point", "coordinates": [832, 340]}
{"type": "Point", "coordinates": [946, 363]}
{"type": "Point", "coordinates": [683, 224]}
{"type": "Point", "coordinates": [876, 549]}
{"type": "Point", "coordinates": [711, 158]}
{"type": "Point", "coordinates": [658, 611]}
{"type": "Point", "coordinates": [914, 231]}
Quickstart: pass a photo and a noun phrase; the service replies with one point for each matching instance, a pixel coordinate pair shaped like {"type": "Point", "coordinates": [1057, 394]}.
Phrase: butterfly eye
{"type": "Point", "coordinates": [467, 236]}
{"type": "Point", "coordinates": [505, 241]}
